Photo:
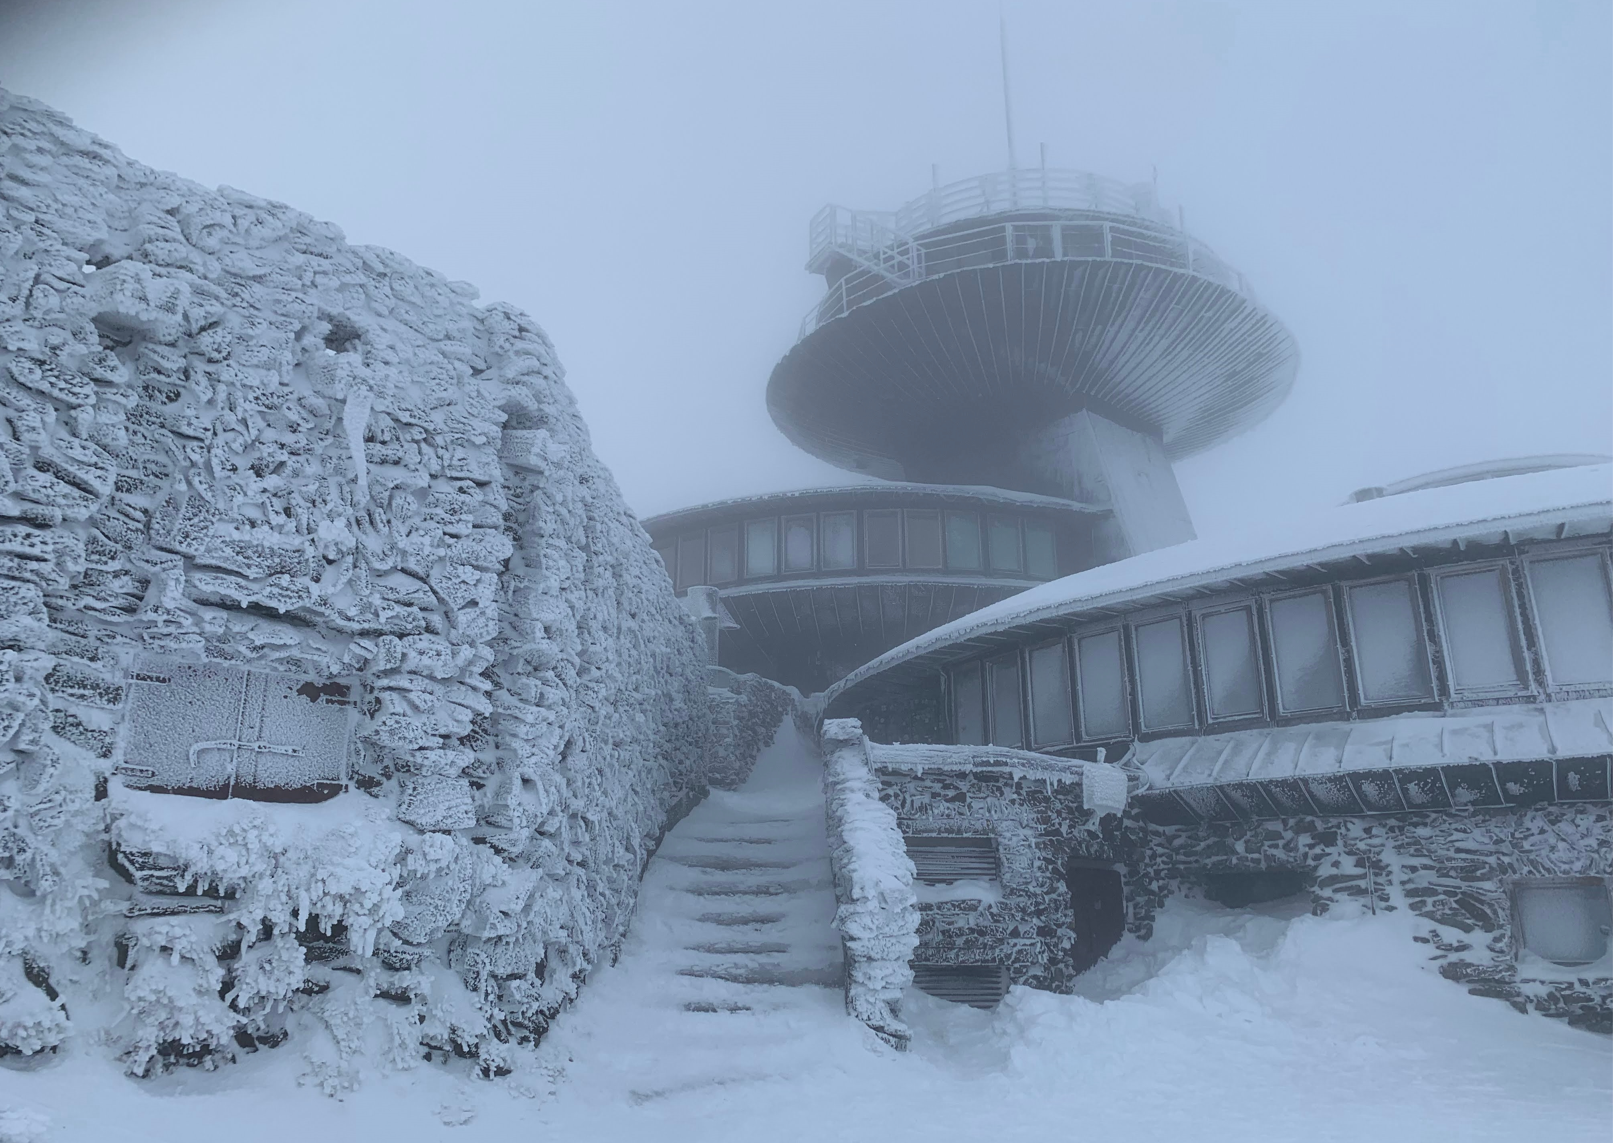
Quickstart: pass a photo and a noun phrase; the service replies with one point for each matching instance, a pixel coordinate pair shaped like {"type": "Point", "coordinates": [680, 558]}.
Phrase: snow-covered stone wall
{"type": "Point", "coordinates": [281, 520]}
{"type": "Point", "coordinates": [876, 912]}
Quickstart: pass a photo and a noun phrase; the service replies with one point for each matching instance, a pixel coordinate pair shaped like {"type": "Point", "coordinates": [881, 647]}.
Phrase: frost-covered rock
{"type": "Point", "coordinates": [284, 519]}
{"type": "Point", "coordinates": [877, 912]}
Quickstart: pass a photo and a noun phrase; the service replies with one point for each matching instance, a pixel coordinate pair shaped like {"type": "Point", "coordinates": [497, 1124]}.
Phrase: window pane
{"type": "Point", "coordinates": [1387, 637]}
{"type": "Point", "coordinates": [969, 711]}
{"type": "Point", "coordinates": [1003, 545]}
{"type": "Point", "coordinates": [882, 543]}
{"type": "Point", "coordinates": [1307, 653]}
{"type": "Point", "coordinates": [1563, 923]}
{"type": "Point", "coordinates": [838, 535]}
{"type": "Point", "coordinates": [691, 560]}
{"type": "Point", "coordinates": [1232, 672]}
{"type": "Point", "coordinates": [723, 554]}
{"type": "Point", "coordinates": [1050, 696]}
{"type": "Point", "coordinates": [798, 543]}
{"type": "Point", "coordinates": [1102, 677]}
{"type": "Point", "coordinates": [964, 541]}
{"type": "Point", "coordinates": [1042, 562]}
{"type": "Point", "coordinates": [1005, 682]}
{"type": "Point", "coordinates": [1163, 688]}
{"type": "Point", "coordinates": [1572, 609]}
{"type": "Point", "coordinates": [761, 547]}
{"type": "Point", "coordinates": [924, 538]}
{"type": "Point", "coordinates": [1478, 624]}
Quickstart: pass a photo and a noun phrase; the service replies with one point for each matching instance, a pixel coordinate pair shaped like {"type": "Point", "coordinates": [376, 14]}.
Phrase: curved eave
{"type": "Point", "coordinates": [816, 499]}
{"type": "Point", "coordinates": [1169, 574]}
{"type": "Point", "coordinates": [1028, 341]}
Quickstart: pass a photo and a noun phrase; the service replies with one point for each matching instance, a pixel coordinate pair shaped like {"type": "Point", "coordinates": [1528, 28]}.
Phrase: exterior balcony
{"type": "Point", "coordinates": [958, 326]}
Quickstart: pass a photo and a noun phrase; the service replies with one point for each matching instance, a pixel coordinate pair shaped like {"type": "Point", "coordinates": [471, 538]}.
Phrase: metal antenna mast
{"type": "Point", "coordinates": [1008, 113]}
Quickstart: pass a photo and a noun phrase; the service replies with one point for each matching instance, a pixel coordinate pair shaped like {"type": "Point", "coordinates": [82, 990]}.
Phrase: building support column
{"type": "Point", "coordinates": [1089, 458]}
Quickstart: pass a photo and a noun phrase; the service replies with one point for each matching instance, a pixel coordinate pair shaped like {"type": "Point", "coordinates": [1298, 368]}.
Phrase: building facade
{"type": "Point", "coordinates": [1404, 702]}
{"type": "Point", "coordinates": [1019, 358]}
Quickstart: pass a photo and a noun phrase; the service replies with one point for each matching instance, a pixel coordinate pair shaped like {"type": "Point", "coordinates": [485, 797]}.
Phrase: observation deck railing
{"type": "Point", "coordinates": [891, 249]}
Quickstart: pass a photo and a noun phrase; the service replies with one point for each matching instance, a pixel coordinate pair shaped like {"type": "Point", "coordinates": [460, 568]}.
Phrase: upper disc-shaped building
{"type": "Point", "coordinates": [1026, 352]}
{"type": "Point", "coordinates": [963, 334]}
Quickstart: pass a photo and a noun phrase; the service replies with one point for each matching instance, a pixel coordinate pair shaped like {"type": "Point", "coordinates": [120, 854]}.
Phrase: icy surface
{"type": "Point", "coordinates": [230, 439]}
{"type": "Point", "coordinates": [1224, 1026]}
{"type": "Point", "coordinates": [1575, 501]}
{"type": "Point", "coordinates": [878, 914]}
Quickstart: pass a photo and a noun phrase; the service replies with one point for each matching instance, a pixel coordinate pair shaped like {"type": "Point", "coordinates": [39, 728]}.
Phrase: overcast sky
{"type": "Point", "coordinates": [1419, 189]}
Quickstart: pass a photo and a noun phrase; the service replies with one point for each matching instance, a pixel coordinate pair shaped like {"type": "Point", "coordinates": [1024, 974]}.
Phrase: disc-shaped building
{"type": "Point", "coordinates": [1020, 356]}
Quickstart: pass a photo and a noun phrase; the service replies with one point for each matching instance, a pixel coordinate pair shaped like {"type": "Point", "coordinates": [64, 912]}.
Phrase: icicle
{"type": "Point", "coordinates": [355, 415]}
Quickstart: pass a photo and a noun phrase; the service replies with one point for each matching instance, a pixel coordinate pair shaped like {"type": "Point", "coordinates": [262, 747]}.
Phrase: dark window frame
{"type": "Point", "coordinates": [745, 542]}
{"type": "Point", "coordinates": [857, 551]}
{"type": "Point", "coordinates": [1030, 701]}
{"type": "Point", "coordinates": [979, 667]}
{"type": "Point", "coordinates": [1264, 680]}
{"type": "Point", "coordinates": [870, 513]}
{"type": "Point", "coordinates": [1331, 610]}
{"type": "Point", "coordinates": [1026, 524]}
{"type": "Point", "coordinates": [1350, 645]}
{"type": "Point", "coordinates": [1513, 885]}
{"type": "Point", "coordinates": [811, 519]}
{"type": "Point", "coordinates": [1128, 701]}
{"type": "Point", "coordinates": [941, 539]}
{"type": "Point", "coordinates": [739, 556]}
{"type": "Point", "coordinates": [980, 545]}
{"type": "Point", "coordinates": [1538, 554]}
{"type": "Point", "coordinates": [1191, 669]}
{"type": "Point", "coordinates": [1528, 685]}
{"type": "Point", "coordinates": [991, 664]}
{"type": "Point", "coordinates": [1019, 570]}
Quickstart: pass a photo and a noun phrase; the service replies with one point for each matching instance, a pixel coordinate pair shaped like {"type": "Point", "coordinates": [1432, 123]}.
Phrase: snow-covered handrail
{"type": "Point", "coordinates": [876, 911]}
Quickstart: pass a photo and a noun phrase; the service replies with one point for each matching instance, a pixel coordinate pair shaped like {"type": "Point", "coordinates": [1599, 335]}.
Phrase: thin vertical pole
{"type": "Point", "coordinates": [1008, 112]}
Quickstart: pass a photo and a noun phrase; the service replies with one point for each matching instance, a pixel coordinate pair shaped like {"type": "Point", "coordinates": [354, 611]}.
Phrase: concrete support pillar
{"type": "Point", "coordinates": [1086, 457]}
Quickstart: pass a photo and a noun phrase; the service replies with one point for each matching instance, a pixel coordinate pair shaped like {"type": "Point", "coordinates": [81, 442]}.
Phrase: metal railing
{"type": "Point", "coordinates": [1038, 189]}
{"type": "Point", "coordinates": [887, 259]}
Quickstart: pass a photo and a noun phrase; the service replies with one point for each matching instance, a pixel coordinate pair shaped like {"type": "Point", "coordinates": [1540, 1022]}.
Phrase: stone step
{"type": "Point", "coordinates": [715, 1006]}
{"type": "Point", "coordinates": [759, 889]}
{"type": "Point", "coordinates": [740, 948]}
{"type": "Point", "coordinates": [732, 864]}
{"type": "Point", "coordinates": [740, 918]}
{"type": "Point", "coordinates": [829, 976]}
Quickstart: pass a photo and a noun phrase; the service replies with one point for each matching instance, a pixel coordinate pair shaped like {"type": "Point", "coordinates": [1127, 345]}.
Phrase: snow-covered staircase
{"type": "Point", "coordinates": [732, 971]}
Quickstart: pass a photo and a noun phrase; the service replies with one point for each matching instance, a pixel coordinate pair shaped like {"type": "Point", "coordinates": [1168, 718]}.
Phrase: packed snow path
{"type": "Point", "coordinates": [732, 964]}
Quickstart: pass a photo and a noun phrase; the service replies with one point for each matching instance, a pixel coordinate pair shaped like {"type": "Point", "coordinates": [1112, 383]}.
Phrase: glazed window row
{"type": "Point", "coordinates": [872, 539]}
{"type": "Point", "coordinates": [1501, 629]}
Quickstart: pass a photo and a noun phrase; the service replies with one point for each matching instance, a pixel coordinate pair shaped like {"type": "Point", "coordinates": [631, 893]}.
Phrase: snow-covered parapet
{"type": "Point", "coordinates": [284, 519]}
{"type": "Point", "coordinates": [877, 913]}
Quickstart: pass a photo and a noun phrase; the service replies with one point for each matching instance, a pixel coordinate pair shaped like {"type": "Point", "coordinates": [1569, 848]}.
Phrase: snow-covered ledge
{"type": "Point", "coordinates": [876, 912]}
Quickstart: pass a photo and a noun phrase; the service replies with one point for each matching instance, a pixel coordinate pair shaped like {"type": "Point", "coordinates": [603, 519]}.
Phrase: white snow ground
{"type": "Point", "coordinates": [1228, 1025]}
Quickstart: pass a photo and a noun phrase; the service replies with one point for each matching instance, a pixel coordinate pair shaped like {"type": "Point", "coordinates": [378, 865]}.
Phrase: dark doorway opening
{"type": "Point", "coordinates": [1254, 886]}
{"type": "Point", "coordinates": [1098, 908]}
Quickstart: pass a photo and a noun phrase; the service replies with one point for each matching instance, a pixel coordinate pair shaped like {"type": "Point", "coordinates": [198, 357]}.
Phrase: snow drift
{"type": "Point", "coordinates": [342, 531]}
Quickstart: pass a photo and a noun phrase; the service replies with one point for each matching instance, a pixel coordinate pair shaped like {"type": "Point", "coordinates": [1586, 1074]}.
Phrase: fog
{"type": "Point", "coordinates": [1421, 191]}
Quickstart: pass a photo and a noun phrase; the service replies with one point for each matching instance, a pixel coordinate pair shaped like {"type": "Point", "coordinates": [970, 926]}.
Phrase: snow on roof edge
{"type": "Point", "coordinates": [980, 492]}
{"type": "Point", "coordinates": [1436, 515]}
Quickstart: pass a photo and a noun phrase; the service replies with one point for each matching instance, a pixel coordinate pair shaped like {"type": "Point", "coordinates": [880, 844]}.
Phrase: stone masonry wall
{"type": "Point", "coordinates": [1451, 868]}
{"type": "Point", "coordinates": [231, 440]}
{"type": "Point", "coordinates": [1035, 812]}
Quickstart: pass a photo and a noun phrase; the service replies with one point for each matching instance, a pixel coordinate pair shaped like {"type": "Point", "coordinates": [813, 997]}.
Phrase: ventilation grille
{"type": "Point", "coordinates": [939, 860]}
{"type": "Point", "coordinates": [978, 985]}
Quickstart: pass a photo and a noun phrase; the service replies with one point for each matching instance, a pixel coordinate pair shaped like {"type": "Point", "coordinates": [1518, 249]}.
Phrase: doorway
{"type": "Point", "coordinates": [1098, 907]}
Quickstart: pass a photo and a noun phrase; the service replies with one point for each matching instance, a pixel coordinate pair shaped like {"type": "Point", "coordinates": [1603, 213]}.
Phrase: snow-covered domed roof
{"type": "Point", "coordinates": [1540, 505]}
{"type": "Point", "coordinates": [1485, 470]}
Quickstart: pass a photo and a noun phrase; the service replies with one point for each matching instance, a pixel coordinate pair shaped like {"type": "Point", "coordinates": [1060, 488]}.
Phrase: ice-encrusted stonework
{"type": "Point", "coordinates": [231, 438]}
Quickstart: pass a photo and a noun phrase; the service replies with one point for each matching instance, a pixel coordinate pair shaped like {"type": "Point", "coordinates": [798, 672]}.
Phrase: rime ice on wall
{"type": "Point", "coordinates": [877, 913]}
{"type": "Point", "coordinates": [232, 440]}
